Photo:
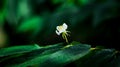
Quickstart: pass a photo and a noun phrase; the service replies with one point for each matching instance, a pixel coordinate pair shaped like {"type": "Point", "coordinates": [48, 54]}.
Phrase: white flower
{"type": "Point", "coordinates": [61, 29]}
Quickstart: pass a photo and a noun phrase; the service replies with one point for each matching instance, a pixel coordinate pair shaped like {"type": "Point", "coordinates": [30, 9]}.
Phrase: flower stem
{"type": "Point", "coordinates": [65, 37]}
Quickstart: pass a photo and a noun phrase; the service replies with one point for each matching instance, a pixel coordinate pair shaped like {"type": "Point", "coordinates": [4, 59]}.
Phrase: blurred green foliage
{"type": "Point", "coordinates": [36, 20]}
{"type": "Point", "coordinates": [95, 22]}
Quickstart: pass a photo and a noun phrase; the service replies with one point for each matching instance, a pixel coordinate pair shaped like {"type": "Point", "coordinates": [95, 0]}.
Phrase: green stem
{"type": "Point", "coordinates": [65, 37]}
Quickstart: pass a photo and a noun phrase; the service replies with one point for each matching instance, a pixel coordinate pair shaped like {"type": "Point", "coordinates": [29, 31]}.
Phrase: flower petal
{"type": "Point", "coordinates": [57, 27]}
{"type": "Point", "coordinates": [58, 33]}
{"type": "Point", "coordinates": [64, 25]}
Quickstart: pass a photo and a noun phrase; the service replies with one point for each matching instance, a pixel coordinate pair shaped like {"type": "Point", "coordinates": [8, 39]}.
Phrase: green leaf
{"type": "Point", "coordinates": [104, 11]}
{"type": "Point", "coordinates": [57, 1]}
{"type": "Point", "coordinates": [2, 10]}
{"type": "Point", "coordinates": [17, 59]}
{"type": "Point", "coordinates": [2, 16]}
{"type": "Point", "coordinates": [59, 58]}
{"type": "Point", "coordinates": [97, 58]}
{"type": "Point", "coordinates": [17, 50]}
{"type": "Point", "coordinates": [82, 55]}
{"type": "Point", "coordinates": [114, 62]}
{"type": "Point", "coordinates": [31, 24]}
{"type": "Point", "coordinates": [85, 2]}
{"type": "Point", "coordinates": [23, 8]}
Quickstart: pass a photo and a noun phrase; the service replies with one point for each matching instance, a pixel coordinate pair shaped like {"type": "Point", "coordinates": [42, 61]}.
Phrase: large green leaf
{"type": "Point", "coordinates": [26, 56]}
{"type": "Point", "coordinates": [59, 58]}
{"type": "Point", "coordinates": [57, 55]}
{"type": "Point", "coordinates": [17, 50]}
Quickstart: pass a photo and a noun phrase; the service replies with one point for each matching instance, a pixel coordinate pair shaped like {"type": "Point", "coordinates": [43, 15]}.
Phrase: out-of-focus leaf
{"type": "Point", "coordinates": [23, 8]}
{"type": "Point", "coordinates": [104, 11]}
{"type": "Point", "coordinates": [11, 12]}
{"type": "Point", "coordinates": [17, 50]}
{"type": "Point", "coordinates": [114, 62]}
{"type": "Point", "coordinates": [17, 10]}
{"type": "Point", "coordinates": [3, 37]}
{"type": "Point", "coordinates": [85, 2]}
{"type": "Point", "coordinates": [2, 10]}
{"type": "Point", "coordinates": [57, 1]}
{"type": "Point", "coordinates": [97, 58]}
{"type": "Point", "coordinates": [59, 58]}
{"type": "Point", "coordinates": [64, 2]}
{"type": "Point", "coordinates": [2, 15]}
{"type": "Point", "coordinates": [32, 24]}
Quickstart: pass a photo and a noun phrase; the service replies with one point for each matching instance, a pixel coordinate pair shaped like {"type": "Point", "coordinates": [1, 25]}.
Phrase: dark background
{"type": "Point", "coordinates": [94, 22]}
